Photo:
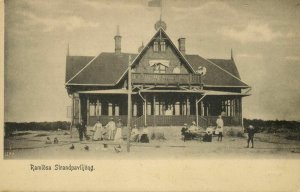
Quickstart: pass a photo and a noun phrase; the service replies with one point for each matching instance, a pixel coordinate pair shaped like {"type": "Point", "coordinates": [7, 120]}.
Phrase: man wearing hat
{"type": "Point", "coordinates": [81, 126]}
{"type": "Point", "coordinates": [251, 132]}
{"type": "Point", "coordinates": [111, 127]}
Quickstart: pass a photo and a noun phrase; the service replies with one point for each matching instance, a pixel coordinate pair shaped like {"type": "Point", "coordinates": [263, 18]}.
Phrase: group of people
{"type": "Point", "coordinates": [193, 131]}
{"type": "Point", "coordinates": [139, 136]}
{"type": "Point", "coordinates": [112, 131]}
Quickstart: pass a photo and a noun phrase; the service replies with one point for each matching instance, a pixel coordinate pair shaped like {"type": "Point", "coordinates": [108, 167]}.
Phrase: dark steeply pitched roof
{"type": "Point", "coordinates": [216, 74]}
{"type": "Point", "coordinates": [74, 64]}
{"type": "Point", "coordinates": [105, 69]}
{"type": "Point", "coordinates": [227, 64]}
{"type": "Point", "coordinates": [108, 68]}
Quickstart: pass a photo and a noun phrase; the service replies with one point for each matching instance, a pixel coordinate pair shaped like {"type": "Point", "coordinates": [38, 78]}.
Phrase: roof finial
{"type": "Point", "coordinates": [231, 54]}
{"type": "Point", "coordinates": [118, 30]}
{"type": "Point", "coordinates": [68, 50]}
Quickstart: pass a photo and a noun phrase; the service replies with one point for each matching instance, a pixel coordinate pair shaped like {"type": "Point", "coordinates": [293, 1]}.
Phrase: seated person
{"type": "Point", "coordinates": [193, 128]}
{"type": "Point", "coordinates": [144, 136]}
{"type": "Point", "coordinates": [48, 141]}
{"type": "Point", "coordinates": [184, 128]}
{"type": "Point", "coordinates": [134, 134]}
{"type": "Point", "coordinates": [209, 130]}
{"type": "Point", "coordinates": [208, 134]}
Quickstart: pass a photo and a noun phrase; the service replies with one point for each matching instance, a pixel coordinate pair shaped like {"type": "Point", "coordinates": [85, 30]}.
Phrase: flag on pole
{"type": "Point", "coordinates": [154, 3]}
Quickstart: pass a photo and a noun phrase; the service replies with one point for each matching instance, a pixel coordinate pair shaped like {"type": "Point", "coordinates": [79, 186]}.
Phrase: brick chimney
{"type": "Point", "coordinates": [181, 45]}
{"type": "Point", "coordinates": [118, 38]}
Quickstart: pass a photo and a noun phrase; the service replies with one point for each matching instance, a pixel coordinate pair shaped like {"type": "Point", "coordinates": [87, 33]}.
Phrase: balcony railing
{"type": "Point", "coordinates": [165, 78]}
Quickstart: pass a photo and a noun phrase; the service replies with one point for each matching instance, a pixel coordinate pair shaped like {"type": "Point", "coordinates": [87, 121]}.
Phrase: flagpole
{"type": "Point", "coordinates": [161, 6]}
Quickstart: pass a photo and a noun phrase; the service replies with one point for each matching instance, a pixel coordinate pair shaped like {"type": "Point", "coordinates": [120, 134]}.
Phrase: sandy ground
{"type": "Point", "coordinates": [31, 145]}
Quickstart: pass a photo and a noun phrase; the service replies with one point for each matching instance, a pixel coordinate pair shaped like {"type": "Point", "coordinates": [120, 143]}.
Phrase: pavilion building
{"type": "Point", "coordinates": [169, 86]}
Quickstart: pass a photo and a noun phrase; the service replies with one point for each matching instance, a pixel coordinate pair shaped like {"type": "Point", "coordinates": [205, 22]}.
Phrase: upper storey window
{"type": "Point", "coordinates": [159, 46]}
{"type": "Point", "coordinates": [155, 46]}
{"type": "Point", "coordinates": [162, 46]}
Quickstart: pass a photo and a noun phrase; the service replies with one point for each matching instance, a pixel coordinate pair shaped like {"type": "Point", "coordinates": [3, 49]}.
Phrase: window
{"type": "Point", "coordinates": [155, 46]}
{"type": "Point", "coordinates": [162, 46]}
{"type": "Point", "coordinates": [159, 68]}
{"type": "Point", "coordinates": [92, 108]}
{"type": "Point", "coordinates": [159, 46]}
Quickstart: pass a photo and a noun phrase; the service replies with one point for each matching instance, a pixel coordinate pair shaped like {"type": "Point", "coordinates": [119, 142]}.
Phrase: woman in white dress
{"type": "Point", "coordinates": [98, 131]}
{"type": "Point", "coordinates": [118, 135]}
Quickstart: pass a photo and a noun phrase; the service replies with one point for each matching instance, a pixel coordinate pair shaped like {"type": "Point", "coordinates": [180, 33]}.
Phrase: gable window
{"type": "Point", "coordinates": [155, 46]}
{"type": "Point", "coordinates": [159, 46]}
{"type": "Point", "coordinates": [159, 68]}
{"type": "Point", "coordinates": [162, 46]}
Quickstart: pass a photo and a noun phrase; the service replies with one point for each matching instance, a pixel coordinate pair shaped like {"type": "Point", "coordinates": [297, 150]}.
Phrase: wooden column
{"type": "Point", "coordinates": [188, 107]}
{"type": "Point", "coordinates": [145, 112]}
{"type": "Point", "coordinates": [110, 109]}
{"type": "Point", "coordinates": [241, 112]}
{"type": "Point", "coordinates": [134, 113]}
{"type": "Point", "coordinates": [154, 110]}
{"type": "Point", "coordinates": [79, 109]}
{"type": "Point", "coordinates": [87, 110]}
{"type": "Point", "coordinates": [129, 102]}
{"type": "Point", "coordinates": [117, 110]}
{"type": "Point", "coordinates": [177, 108]}
{"type": "Point", "coordinates": [98, 108]}
{"type": "Point", "coordinates": [196, 103]}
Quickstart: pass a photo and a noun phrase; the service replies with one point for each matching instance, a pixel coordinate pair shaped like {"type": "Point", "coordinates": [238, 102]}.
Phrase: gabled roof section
{"type": "Point", "coordinates": [104, 69]}
{"type": "Point", "coordinates": [75, 64]}
{"type": "Point", "coordinates": [222, 74]}
{"type": "Point", "coordinates": [163, 34]}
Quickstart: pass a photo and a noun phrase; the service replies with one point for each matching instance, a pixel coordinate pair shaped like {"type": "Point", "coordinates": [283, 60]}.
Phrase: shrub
{"type": "Point", "coordinates": [230, 132]}
{"type": "Point", "coordinates": [240, 134]}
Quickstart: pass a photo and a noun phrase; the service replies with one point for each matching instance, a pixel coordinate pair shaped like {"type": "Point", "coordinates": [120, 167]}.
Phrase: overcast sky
{"type": "Point", "coordinates": [264, 36]}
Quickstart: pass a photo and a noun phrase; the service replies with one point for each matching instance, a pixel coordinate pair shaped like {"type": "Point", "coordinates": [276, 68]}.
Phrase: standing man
{"type": "Point", "coordinates": [220, 125]}
{"type": "Point", "coordinates": [251, 132]}
{"type": "Point", "coordinates": [82, 130]}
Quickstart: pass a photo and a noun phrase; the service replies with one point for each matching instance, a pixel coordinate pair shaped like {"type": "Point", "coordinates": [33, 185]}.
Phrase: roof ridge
{"type": "Point", "coordinates": [83, 68]}
{"type": "Point", "coordinates": [223, 70]}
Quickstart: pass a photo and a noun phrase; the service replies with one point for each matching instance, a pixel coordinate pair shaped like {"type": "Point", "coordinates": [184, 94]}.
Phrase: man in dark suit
{"type": "Point", "coordinates": [251, 131]}
{"type": "Point", "coordinates": [82, 130]}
